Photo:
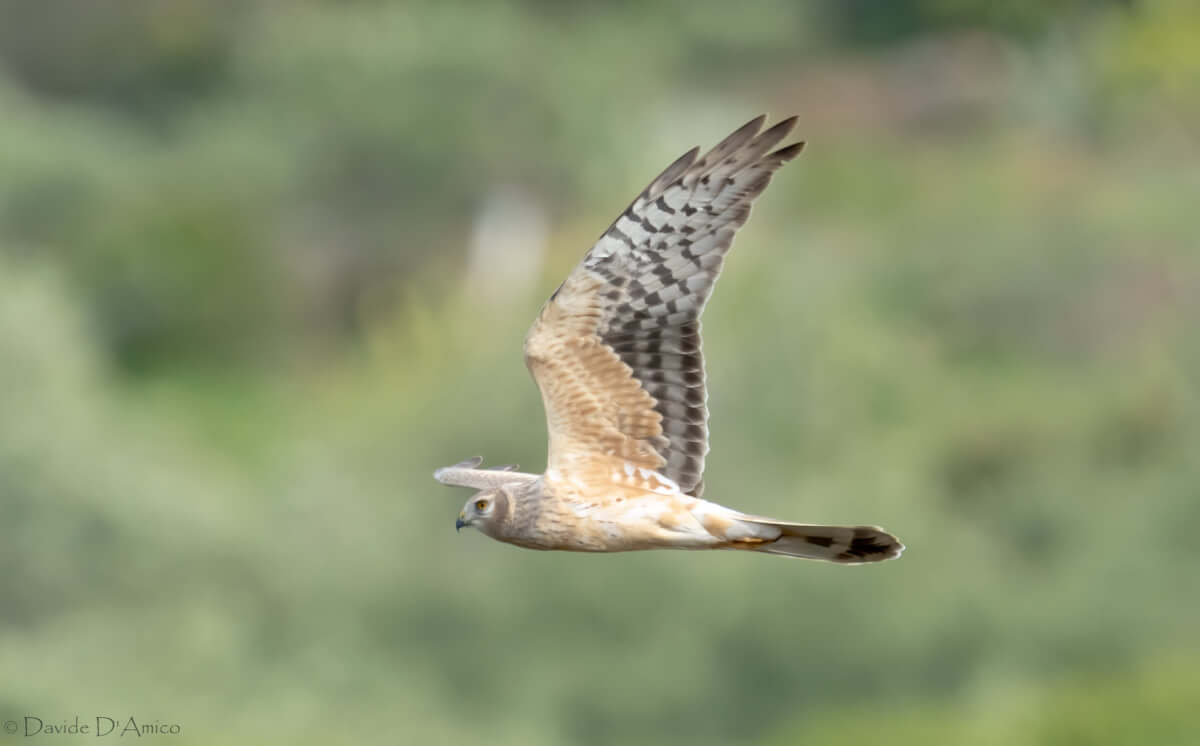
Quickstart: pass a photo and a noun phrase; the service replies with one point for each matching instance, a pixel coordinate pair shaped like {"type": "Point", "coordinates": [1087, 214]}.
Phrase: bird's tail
{"type": "Point", "coordinates": [849, 545]}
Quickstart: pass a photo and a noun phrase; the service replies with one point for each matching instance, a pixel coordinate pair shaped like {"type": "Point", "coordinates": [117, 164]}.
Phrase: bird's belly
{"type": "Point", "coordinates": [628, 526]}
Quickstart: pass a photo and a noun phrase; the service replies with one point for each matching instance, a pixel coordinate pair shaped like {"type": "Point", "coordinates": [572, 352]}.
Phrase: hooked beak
{"type": "Point", "coordinates": [458, 524]}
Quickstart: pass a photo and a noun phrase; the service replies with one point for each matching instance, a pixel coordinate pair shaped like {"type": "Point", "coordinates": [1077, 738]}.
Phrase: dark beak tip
{"type": "Point", "coordinates": [458, 524]}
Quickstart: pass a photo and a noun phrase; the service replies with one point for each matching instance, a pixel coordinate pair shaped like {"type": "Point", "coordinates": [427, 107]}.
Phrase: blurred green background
{"type": "Point", "coordinates": [264, 266]}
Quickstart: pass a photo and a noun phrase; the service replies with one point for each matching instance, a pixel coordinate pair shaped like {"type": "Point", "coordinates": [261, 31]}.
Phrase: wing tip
{"type": "Point", "coordinates": [777, 131]}
{"type": "Point", "coordinates": [672, 172]}
{"type": "Point", "coordinates": [753, 125]}
{"type": "Point", "coordinates": [444, 474]}
{"type": "Point", "coordinates": [788, 152]}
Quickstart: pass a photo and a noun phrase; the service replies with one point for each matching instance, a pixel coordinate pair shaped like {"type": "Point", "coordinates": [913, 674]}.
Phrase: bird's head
{"type": "Point", "coordinates": [486, 511]}
{"type": "Point", "coordinates": [489, 509]}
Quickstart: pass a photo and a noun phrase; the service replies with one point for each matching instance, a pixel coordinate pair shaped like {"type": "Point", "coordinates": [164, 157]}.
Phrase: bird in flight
{"type": "Point", "coordinates": [616, 354]}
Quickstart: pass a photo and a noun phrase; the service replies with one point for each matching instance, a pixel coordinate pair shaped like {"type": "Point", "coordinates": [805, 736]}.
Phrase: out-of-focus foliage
{"type": "Point", "coordinates": [279, 146]}
{"type": "Point", "coordinates": [236, 338]}
{"type": "Point", "coordinates": [1154, 705]}
{"type": "Point", "coordinates": [872, 21]}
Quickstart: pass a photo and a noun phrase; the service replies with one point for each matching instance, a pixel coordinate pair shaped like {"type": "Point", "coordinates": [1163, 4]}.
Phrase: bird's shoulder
{"type": "Point", "coordinates": [602, 486]}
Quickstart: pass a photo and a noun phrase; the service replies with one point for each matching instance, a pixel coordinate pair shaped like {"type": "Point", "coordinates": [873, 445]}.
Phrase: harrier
{"type": "Point", "coordinates": [616, 354]}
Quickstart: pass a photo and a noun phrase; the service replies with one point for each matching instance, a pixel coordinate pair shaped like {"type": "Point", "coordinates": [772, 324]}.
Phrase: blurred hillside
{"type": "Point", "coordinates": [262, 269]}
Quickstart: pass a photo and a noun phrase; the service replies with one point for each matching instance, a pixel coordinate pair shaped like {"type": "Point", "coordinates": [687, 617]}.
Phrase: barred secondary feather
{"type": "Point", "coordinates": [616, 352]}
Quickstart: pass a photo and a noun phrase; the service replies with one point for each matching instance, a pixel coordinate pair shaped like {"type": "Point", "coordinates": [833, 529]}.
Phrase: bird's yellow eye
{"type": "Point", "coordinates": [480, 504]}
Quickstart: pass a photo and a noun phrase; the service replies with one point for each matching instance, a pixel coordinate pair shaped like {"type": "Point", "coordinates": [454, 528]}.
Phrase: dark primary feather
{"type": "Point", "coordinates": [660, 259]}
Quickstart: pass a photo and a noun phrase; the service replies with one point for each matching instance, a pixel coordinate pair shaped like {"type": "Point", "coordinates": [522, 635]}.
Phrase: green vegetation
{"type": "Point", "coordinates": [235, 341]}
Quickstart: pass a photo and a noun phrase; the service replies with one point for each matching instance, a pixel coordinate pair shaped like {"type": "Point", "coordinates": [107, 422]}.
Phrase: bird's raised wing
{"type": "Point", "coordinates": [616, 349]}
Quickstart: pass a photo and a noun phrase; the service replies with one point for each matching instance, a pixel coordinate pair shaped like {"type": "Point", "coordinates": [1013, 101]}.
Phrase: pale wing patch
{"type": "Point", "coordinates": [593, 405]}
